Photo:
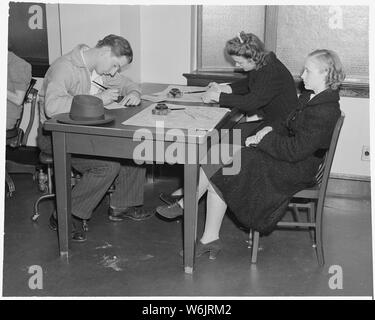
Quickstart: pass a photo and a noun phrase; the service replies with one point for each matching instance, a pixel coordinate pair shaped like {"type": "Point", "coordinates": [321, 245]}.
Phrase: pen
{"type": "Point", "coordinates": [177, 109]}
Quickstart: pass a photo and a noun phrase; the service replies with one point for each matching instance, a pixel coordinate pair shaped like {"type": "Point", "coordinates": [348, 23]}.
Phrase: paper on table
{"type": "Point", "coordinates": [153, 98]}
{"type": "Point", "coordinates": [188, 97]}
{"type": "Point", "coordinates": [114, 105]}
{"type": "Point", "coordinates": [197, 118]}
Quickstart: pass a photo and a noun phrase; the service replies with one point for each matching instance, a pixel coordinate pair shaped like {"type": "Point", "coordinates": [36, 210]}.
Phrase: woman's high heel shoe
{"type": "Point", "coordinates": [213, 248]}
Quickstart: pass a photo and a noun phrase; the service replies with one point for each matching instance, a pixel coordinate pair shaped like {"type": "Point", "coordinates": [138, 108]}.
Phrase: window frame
{"type": "Point", "coordinates": [355, 86]}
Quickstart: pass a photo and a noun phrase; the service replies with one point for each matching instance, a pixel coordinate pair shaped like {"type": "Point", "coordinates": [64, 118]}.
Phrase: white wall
{"type": "Point", "coordinates": [161, 39]}
{"type": "Point", "coordinates": [355, 134]}
{"type": "Point", "coordinates": [87, 24]}
{"type": "Point", "coordinates": [130, 29]}
{"type": "Point", "coordinates": [165, 43]}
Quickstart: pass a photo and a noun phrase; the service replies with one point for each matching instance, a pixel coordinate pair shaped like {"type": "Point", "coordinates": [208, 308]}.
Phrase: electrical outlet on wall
{"type": "Point", "coordinates": [365, 153]}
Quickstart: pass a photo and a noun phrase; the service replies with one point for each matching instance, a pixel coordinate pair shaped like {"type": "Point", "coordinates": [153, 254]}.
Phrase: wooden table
{"type": "Point", "coordinates": [116, 140]}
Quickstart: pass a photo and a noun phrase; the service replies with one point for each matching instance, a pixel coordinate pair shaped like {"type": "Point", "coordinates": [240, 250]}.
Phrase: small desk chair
{"type": "Point", "coordinates": [47, 186]}
{"type": "Point", "coordinates": [16, 138]}
{"type": "Point", "coordinates": [314, 203]}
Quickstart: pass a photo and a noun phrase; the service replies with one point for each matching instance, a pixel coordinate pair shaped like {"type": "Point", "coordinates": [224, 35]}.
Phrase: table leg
{"type": "Point", "coordinates": [190, 214]}
{"type": "Point", "coordinates": [63, 190]}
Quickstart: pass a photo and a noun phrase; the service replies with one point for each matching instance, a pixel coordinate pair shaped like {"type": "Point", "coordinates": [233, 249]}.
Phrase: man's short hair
{"type": "Point", "coordinates": [119, 46]}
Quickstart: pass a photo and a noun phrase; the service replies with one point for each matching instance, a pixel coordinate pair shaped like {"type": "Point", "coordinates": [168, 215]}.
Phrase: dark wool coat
{"type": "Point", "coordinates": [269, 91]}
{"type": "Point", "coordinates": [283, 163]}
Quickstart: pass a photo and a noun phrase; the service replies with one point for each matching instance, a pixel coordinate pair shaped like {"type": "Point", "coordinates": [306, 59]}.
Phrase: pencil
{"type": "Point", "coordinates": [101, 86]}
{"type": "Point", "coordinates": [195, 91]}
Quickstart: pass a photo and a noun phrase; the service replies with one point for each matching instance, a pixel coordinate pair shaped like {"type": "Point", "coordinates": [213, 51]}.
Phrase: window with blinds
{"type": "Point", "coordinates": [290, 31]}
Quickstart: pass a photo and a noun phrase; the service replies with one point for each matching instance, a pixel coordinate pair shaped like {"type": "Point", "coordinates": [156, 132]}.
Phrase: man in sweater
{"type": "Point", "coordinates": [76, 73]}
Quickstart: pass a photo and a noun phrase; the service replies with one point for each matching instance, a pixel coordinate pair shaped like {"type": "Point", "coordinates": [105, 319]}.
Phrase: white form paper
{"type": "Point", "coordinates": [114, 105]}
{"type": "Point", "coordinates": [199, 119]}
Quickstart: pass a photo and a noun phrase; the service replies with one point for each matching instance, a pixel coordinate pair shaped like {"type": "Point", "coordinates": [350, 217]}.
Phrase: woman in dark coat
{"type": "Point", "coordinates": [279, 160]}
{"type": "Point", "coordinates": [268, 91]}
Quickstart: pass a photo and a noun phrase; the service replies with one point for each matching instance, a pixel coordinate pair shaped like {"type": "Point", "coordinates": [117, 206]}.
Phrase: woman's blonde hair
{"type": "Point", "coordinates": [249, 46]}
{"type": "Point", "coordinates": [332, 64]}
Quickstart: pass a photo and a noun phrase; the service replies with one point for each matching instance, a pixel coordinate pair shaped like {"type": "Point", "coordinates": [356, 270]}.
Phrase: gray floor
{"type": "Point", "coordinates": [141, 258]}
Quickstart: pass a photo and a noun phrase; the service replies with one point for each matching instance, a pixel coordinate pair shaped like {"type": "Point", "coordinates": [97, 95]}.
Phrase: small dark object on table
{"type": "Point", "coordinates": [161, 109]}
{"type": "Point", "coordinates": [175, 93]}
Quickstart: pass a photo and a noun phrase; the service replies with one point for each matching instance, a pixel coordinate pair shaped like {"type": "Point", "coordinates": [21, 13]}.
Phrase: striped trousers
{"type": "Point", "coordinates": [97, 177]}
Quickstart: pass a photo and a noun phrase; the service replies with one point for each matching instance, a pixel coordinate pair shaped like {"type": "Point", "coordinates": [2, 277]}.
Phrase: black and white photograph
{"type": "Point", "coordinates": [182, 151]}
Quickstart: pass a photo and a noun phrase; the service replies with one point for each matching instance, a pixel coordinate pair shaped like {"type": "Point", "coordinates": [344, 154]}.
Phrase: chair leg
{"type": "Point", "coordinates": [254, 245]}
{"type": "Point", "coordinates": [49, 174]}
{"type": "Point", "coordinates": [295, 213]}
{"type": "Point", "coordinates": [10, 183]}
{"type": "Point", "coordinates": [319, 235]}
{"type": "Point", "coordinates": [311, 218]}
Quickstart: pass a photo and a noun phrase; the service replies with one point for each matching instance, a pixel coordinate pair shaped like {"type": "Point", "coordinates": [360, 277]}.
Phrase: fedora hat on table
{"type": "Point", "coordinates": [85, 110]}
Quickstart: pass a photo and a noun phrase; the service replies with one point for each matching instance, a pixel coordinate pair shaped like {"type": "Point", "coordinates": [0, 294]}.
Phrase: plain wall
{"type": "Point", "coordinates": [130, 29]}
{"type": "Point", "coordinates": [87, 24]}
{"type": "Point", "coordinates": [161, 39]}
{"type": "Point", "coordinates": [355, 134]}
{"type": "Point", "coordinates": [165, 43]}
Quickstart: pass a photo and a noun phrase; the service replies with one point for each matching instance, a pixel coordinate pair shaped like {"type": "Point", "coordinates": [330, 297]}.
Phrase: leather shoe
{"type": "Point", "coordinates": [78, 233]}
{"type": "Point", "coordinates": [170, 212]}
{"type": "Point", "coordinates": [212, 248]}
{"type": "Point", "coordinates": [135, 213]}
{"type": "Point", "coordinates": [169, 199]}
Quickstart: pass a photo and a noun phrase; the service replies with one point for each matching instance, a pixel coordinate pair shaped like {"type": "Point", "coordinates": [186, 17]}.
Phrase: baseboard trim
{"type": "Point", "coordinates": [353, 177]}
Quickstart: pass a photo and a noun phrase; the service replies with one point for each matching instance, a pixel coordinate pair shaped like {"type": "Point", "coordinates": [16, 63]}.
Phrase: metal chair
{"type": "Point", "coordinates": [46, 184]}
{"type": "Point", "coordinates": [16, 138]}
{"type": "Point", "coordinates": [45, 181]}
{"type": "Point", "coordinates": [314, 203]}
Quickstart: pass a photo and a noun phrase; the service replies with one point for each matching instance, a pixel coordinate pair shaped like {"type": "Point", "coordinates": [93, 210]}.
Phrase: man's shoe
{"type": "Point", "coordinates": [169, 199]}
{"type": "Point", "coordinates": [170, 212]}
{"type": "Point", "coordinates": [78, 234]}
{"type": "Point", "coordinates": [134, 213]}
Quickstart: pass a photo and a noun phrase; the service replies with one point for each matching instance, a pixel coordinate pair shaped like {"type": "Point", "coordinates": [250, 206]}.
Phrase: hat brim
{"type": "Point", "coordinates": [65, 118]}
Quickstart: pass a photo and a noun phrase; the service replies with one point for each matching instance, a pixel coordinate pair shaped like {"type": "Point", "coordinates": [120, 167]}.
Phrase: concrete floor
{"type": "Point", "coordinates": [141, 258]}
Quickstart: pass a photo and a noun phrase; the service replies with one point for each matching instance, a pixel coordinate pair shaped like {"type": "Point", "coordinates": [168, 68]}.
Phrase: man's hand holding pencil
{"type": "Point", "coordinates": [110, 95]}
{"type": "Point", "coordinates": [107, 95]}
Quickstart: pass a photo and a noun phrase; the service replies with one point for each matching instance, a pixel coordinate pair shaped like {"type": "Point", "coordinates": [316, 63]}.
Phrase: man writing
{"type": "Point", "coordinates": [76, 73]}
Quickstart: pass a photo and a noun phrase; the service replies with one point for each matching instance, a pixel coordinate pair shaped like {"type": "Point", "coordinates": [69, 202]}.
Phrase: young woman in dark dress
{"type": "Point", "coordinates": [279, 160]}
{"type": "Point", "coordinates": [268, 91]}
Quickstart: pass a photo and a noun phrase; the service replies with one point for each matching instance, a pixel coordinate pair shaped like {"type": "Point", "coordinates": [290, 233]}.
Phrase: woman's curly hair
{"type": "Point", "coordinates": [249, 46]}
{"type": "Point", "coordinates": [332, 64]}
